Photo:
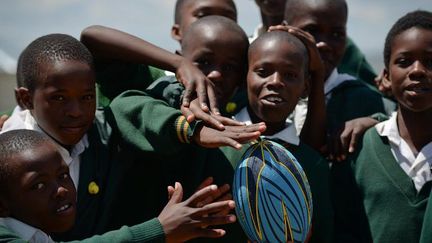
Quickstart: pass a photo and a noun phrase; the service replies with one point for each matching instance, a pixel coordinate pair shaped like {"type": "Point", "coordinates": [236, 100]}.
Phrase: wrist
{"type": "Point", "coordinates": [186, 131]}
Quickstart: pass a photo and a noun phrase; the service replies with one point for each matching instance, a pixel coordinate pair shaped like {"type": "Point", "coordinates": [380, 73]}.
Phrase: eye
{"type": "Point", "coordinates": [291, 75]}
{"type": "Point", "coordinates": [64, 176]}
{"type": "Point", "coordinates": [203, 62]}
{"type": "Point", "coordinates": [228, 67]}
{"type": "Point", "coordinates": [88, 97]}
{"type": "Point", "coordinates": [58, 97]}
{"type": "Point", "coordinates": [338, 34]}
{"type": "Point", "coordinates": [200, 14]}
{"type": "Point", "coordinates": [38, 186]}
{"type": "Point", "coordinates": [402, 62]}
{"type": "Point", "coordinates": [261, 72]}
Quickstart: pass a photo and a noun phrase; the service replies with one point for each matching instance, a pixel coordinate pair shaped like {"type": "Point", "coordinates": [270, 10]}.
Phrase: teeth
{"type": "Point", "coordinates": [274, 99]}
{"type": "Point", "coordinates": [63, 208]}
{"type": "Point", "coordinates": [420, 90]}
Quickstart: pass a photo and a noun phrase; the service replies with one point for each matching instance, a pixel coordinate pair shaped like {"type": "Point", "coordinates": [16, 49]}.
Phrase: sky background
{"type": "Point", "coordinates": [21, 21]}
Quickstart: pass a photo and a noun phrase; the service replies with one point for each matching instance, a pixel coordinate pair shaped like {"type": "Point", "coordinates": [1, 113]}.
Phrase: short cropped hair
{"type": "Point", "coordinates": [285, 37]}
{"type": "Point", "coordinates": [12, 143]}
{"type": "Point", "coordinates": [293, 4]}
{"type": "Point", "coordinates": [216, 22]}
{"type": "Point", "coordinates": [419, 18]}
{"type": "Point", "coordinates": [179, 9]}
{"type": "Point", "coordinates": [47, 50]}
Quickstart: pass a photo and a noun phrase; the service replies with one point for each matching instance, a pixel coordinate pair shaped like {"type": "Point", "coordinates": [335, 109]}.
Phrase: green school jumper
{"type": "Point", "coordinates": [378, 201]}
{"type": "Point", "coordinates": [158, 137]}
{"type": "Point", "coordinates": [104, 163]}
{"type": "Point", "coordinates": [146, 232]}
{"type": "Point", "coordinates": [113, 78]}
{"type": "Point", "coordinates": [317, 172]}
{"type": "Point", "coordinates": [353, 99]}
{"type": "Point", "coordinates": [354, 62]}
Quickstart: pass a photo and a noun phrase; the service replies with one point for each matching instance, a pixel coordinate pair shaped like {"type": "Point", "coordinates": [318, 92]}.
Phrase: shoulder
{"type": "Point", "coordinates": [6, 235]}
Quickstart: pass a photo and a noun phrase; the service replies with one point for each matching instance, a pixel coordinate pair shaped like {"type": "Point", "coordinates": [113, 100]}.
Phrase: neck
{"type": "Point", "coordinates": [415, 127]}
{"type": "Point", "coordinates": [272, 127]}
{"type": "Point", "coordinates": [270, 20]}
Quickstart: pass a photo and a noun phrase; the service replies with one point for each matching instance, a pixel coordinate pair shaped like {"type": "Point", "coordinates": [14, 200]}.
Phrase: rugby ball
{"type": "Point", "coordinates": [272, 195]}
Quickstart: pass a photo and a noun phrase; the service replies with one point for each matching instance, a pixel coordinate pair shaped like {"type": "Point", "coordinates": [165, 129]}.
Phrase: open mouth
{"type": "Point", "coordinates": [64, 208]}
{"type": "Point", "coordinates": [272, 99]}
{"type": "Point", "coordinates": [419, 89]}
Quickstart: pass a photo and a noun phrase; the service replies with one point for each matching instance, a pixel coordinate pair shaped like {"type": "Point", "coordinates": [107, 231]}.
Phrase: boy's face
{"type": "Point", "coordinates": [40, 191]}
{"type": "Point", "coordinates": [327, 24]}
{"type": "Point", "coordinates": [276, 79]}
{"type": "Point", "coordinates": [64, 103]}
{"type": "Point", "coordinates": [222, 60]}
{"type": "Point", "coordinates": [193, 10]}
{"type": "Point", "coordinates": [271, 7]}
{"type": "Point", "coordinates": [410, 69]}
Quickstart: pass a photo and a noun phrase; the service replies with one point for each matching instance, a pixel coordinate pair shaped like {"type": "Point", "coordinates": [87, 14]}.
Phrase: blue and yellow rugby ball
{"type": "Point", "coordinates": [272, 195]}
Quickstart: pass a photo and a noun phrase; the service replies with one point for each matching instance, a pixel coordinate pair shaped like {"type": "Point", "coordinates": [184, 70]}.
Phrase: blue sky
{"type": "Point", "coordinates": [21, 21]}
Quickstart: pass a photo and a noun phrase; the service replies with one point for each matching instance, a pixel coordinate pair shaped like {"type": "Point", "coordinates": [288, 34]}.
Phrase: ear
{"type": "Point", "coordinates": [385, 84]}
{"type": "Point", "coordinates": [306, 89]}
{"type": "Point", "coordinates": [24, 98]}
{"type": "Point", "coordinates": [4, 209]}
{"type": "Point", "coordinates": [176, 33]}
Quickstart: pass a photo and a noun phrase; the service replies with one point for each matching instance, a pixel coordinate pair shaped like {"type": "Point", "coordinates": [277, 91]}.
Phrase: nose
{"type": "Point", "coordinates": [276, 81]}
{"type": "Point", "coordinates": [418, 71]}
{"type": "Point", "coordinates": [215, 75]}
{"type": "Point", "coordinates": [60, 191]}
{"type": "Point", "coordinates": [74, 109]}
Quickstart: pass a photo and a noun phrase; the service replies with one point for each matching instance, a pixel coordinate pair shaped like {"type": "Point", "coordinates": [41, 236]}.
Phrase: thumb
{"type": "Point", "coordinates": [177, 196]}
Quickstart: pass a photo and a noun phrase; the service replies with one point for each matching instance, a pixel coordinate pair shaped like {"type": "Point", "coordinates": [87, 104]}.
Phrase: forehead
{"type": "Point", "coordinates": [211, 38]}
{"type": "Point", "coordinates": [215, 6]}
{"type": "Point", "coordinates": [277, 50]}
{"type": "Point", "coordinates": [44, 157]}
{"type": "Point", "coordinates": [66, 74]}
{"type": "Point", "coordinates": [413, 39]}
{"type": "Point", "coordinates": [318, 12]}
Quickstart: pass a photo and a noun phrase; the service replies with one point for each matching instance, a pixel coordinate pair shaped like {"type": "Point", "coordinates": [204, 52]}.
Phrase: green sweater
{"type": "Point", "coordinates": [113, 78]}
{"type": "Point", "coordinates": [150, 231]}
{"type": "Point", "coordinates": [150, 130]}
{"type": "Point", "coordinates": [376, 200]}
{"type": "Point", "coordinates": [354, 62]}
{"type": "Point", "coordinates": [317, 172]}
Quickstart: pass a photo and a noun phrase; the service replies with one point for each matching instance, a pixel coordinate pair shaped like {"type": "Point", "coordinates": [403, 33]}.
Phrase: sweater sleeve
{"type": "Point", "coordinates": [149, 124]}
{"type": "Point", "coordinates": [149, 231]}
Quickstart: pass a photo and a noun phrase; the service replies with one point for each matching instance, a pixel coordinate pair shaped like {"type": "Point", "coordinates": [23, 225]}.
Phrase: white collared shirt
{"type": "Point", "coordinates": [25, 231]}
{"type": "Point", "coordinates": [416, 166]}
{"type": "Point", "coordinates": [15, 121]}
{"type": "Point", "coordinates": [24, 120]}
{"type": "Point", "coordinates": [288, 134]}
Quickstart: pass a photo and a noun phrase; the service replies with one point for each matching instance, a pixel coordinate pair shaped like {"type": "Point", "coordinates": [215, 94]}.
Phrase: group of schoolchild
{"type": "Point", "coordinates": [105, 146]}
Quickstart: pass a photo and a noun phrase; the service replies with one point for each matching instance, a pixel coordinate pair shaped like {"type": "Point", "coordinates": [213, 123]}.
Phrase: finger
{"type": "Point", "coordinates": [345, 138]}
{"type": "Point", "coordinates": [214, 208]}
{"type": "Point", "coordinates": [207, 118]}
{"type": "Point", "coordinates": [214, 220]}
{"type": "Point", "coordinates": [209, 233]}
{"type": "Point", "coordinates": [212, 98]}
{"type": "Point", "coordinates": [187, 96]}
{"type": "Point", "coordinates": [187, 112]}
{"type": "Point", "coordinates": [171, 191]}
{"type": "Point", "coordinates": [227, 141]}
{"type": "Point", "coordinates": [227, 121]}
{"type": "Point", "coordinates": [2, 120]}
{"type": "Point", "coordinates": [207, 182]}
{"type": "Point", "coordinates": [216, 196]}
{"type": "Point", "coordinates": [201, 194]}
{"type": "Point", "coordinates": [177, 195]}
{"type": "Point", "coordinates": [353, 142]}
{"type": "Point", "coordinates": [201, 90]}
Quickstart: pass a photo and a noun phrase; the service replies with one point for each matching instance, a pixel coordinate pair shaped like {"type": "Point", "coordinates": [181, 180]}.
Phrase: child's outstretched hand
{"type": "Point", "coordinates": [196, 83]}
{"type": "Point", "coordinates": [232, 136]}
{"type": "Point", "coordinates": [211, 119]}
{"type": "Point", "coordinates": [345, 141]}
{"type": "Point", "coordinates": [181, 221]}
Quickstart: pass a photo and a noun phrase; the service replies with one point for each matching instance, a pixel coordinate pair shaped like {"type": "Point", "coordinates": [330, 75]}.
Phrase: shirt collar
{"type": "Point", "coordinates": [25, 231]}
{"type": "Point", "coordinates": [288, 134]}
{"type": "Point", "coordinates": [335, 79]}
{"type": "Point", "coordinates": [31, 124]}
{"type": "Point", "coordinates": [389, 129]}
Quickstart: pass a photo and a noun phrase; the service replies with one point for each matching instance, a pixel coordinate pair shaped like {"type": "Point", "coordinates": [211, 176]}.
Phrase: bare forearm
{"type": "Point", "coordinates": [111, 44]}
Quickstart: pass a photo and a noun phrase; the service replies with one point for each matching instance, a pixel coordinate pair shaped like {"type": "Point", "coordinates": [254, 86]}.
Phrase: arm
{"type": "Point", "coordinates": [151, 125]}
{"type": "Point", "coordinates": [109, 44]}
